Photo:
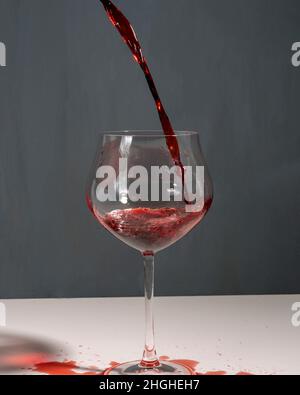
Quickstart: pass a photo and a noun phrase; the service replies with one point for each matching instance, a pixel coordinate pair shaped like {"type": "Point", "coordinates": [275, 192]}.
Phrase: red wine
{"type": "Point", "coordinates": [71, 368]}
{"type": "Point", "coordinates": [66, 368]}
{"type": "Point", "coordinates": [129, 36]}
{"type": "Point", "coordinates": [151, 230]}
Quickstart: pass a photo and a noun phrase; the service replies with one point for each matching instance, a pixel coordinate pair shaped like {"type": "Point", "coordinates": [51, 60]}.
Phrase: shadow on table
{"type": "Point", "coordinates": [20, 351]}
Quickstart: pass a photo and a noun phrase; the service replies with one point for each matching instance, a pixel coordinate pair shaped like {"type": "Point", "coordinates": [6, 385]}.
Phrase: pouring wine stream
{"type": "Point", "coordinates": [124, 27]}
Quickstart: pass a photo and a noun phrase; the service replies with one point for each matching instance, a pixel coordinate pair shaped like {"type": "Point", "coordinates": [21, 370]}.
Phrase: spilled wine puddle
{"type": "Point", "coordinates": [66, 368]}
{"type": "Point", "coordinates": [71, 368]}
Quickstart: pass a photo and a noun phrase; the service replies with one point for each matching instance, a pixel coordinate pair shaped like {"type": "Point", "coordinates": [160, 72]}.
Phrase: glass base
{"type": "Point", "coordinates": [134, 369]}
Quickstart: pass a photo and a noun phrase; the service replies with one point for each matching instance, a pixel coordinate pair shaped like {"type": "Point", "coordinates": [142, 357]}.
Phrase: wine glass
{"type": "Point", "coordinates": [137, 193]}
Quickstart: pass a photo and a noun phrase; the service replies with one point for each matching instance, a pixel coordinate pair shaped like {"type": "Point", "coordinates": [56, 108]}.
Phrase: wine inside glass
{"type": "Point", "coordinates": [137, 193]}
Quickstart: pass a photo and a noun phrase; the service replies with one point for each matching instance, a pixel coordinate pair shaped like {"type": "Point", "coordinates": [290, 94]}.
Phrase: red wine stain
{"type": "Point", "coordinates": [213, 373]}
{"type": "Point", "coordinates": [56, 368]}
{"type": "Point", "coordinates": [65, 368]}
{"type": "Point", "coordinates": [70, 368]}
{"type": "Point", "coordinates": [244, 374]}
{"type": "Point", "coordinates": [21, 360]}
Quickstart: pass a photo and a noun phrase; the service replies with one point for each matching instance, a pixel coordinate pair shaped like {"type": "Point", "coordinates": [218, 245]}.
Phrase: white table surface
{"type": "Point", "coordinates": [250, 334]}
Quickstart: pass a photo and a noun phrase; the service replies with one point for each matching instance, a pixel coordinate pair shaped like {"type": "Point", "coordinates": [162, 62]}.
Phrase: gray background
{"type": "Point", "coordinates": [223, 68]}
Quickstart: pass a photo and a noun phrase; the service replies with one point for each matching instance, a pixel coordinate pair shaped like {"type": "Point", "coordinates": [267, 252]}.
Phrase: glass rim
{"type": "Point", "coordinates": [149, 133]}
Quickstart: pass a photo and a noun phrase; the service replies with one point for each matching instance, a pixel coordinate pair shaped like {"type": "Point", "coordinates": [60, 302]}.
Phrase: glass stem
{"type": "Point", "coordinates": [150, 359]}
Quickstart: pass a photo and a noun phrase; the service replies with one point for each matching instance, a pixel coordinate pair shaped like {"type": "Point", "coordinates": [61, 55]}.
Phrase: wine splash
{"type": "Point", "coordinates": [151, 230]}
{"type": "Point", "coordinates": [124, 27]}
